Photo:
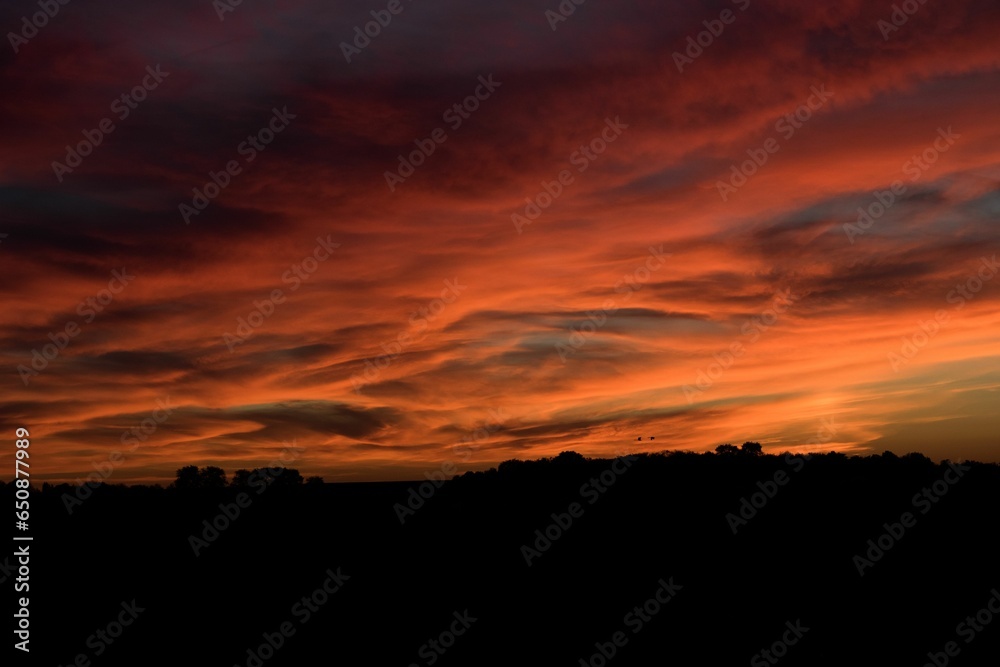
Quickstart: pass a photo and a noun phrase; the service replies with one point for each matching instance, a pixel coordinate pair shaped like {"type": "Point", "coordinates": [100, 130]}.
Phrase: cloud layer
{"type": "Point", "coordinates": [581, 241]}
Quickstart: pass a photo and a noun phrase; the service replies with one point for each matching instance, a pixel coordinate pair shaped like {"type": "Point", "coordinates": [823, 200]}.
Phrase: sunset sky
{"type": "Point", "coordinates": [580, 261]}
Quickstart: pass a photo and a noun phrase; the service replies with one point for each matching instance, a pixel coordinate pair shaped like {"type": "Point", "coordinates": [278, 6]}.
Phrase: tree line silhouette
{"type": "Point", "coordinates": [664, 517]}
{"type": "Point", "coordinates": [193, 478]}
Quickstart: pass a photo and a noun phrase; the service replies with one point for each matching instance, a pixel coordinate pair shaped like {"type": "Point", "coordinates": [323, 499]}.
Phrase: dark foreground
{"type": "Point", "coordinates": [634, 563]}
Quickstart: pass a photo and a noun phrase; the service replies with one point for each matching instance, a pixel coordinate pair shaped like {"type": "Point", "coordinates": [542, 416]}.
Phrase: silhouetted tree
{"type": "Point", "coordinates": [212, 477]}
{"type": "Point", "coordinates": [241, 479]}
{"type": "Point", "coordinates": [751, 449]}
{"type": "Point", "coordinates": [293, 477]}
{"type": "Point", "coordinates": [314, 482]}
{"type": "Point", "coordinates": [565, 458]}
{"type": "Point", "coordinates": [916, 458]}
{"type": "Point", "coordinates": [281, 477]}
{"type": "Point", "coordinates": [191, 477]}
{"type": "Point", "coordinates": [187, 478]}
{"type": "Point", "coordinates": [510, 466]}
{"type": "Point", "coordinates": [727, 449]}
